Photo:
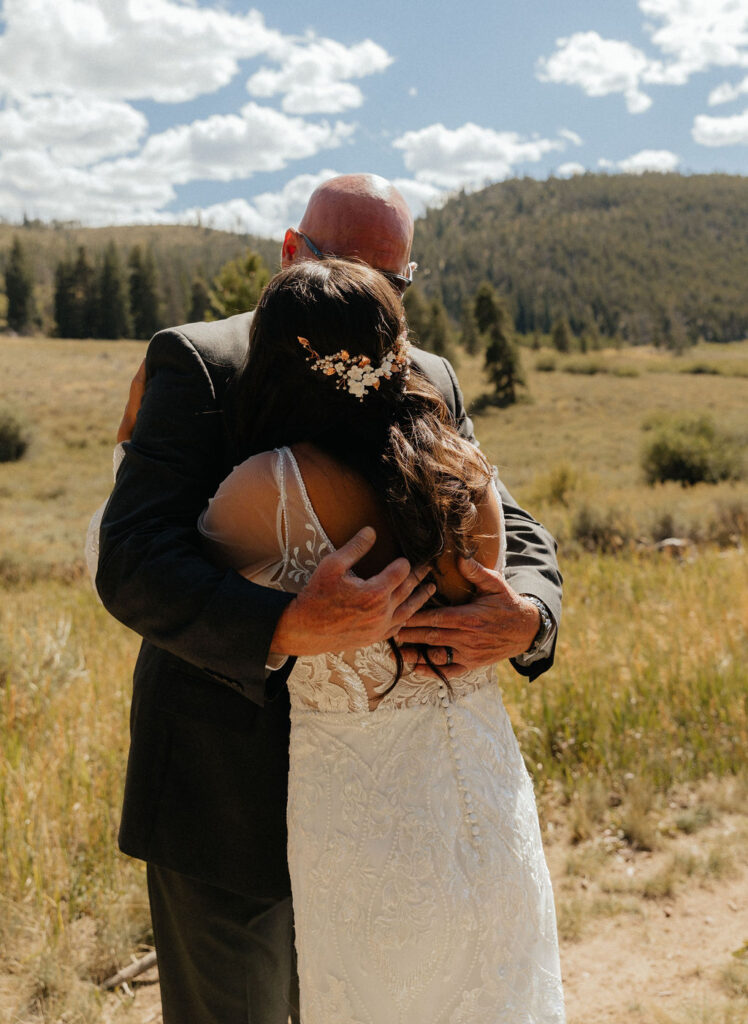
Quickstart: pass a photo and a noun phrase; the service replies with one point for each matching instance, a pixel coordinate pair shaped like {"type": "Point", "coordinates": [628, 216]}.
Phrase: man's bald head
{"type": "Point", "coordinates": [360, 216]}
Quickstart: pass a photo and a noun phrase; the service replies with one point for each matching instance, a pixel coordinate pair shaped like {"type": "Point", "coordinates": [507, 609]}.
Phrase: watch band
{"type": "Point", "coordinates": [544, 629]}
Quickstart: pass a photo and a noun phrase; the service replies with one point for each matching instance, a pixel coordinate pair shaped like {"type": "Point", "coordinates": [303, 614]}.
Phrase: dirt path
{"type": "Point", "coordinates": [665, 963]}
{"type": "Point", "coordinates": [667, 959]}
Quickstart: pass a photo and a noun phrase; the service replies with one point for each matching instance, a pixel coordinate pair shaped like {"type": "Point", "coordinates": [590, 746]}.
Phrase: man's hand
{"type": "Point", "coordinates": [134, 400]}
{"type": "Point", "coordinates": [495, 625]}
{"type": "Point", "coordinates": [338, 611]}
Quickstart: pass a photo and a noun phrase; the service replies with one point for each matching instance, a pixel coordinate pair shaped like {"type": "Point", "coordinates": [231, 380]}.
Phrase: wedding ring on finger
{"type": "Point", "coordinates": [450, 655]}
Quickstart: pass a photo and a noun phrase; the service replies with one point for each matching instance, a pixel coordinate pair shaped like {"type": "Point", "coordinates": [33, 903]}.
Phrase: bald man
{"type": "Point", "coordinates": [205, 793]}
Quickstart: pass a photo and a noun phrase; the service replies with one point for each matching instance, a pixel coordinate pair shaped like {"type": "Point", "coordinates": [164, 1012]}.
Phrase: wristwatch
{"type": "Point", "coordinates": [545, 629]}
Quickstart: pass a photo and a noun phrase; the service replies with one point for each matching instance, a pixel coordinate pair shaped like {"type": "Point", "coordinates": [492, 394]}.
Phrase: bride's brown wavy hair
{"type": "Point", "coordinates": [401, 437]}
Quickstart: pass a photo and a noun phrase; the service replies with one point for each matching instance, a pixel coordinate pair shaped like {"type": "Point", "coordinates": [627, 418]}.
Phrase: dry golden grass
{"type": "Point", "coordinates": [646, 703]}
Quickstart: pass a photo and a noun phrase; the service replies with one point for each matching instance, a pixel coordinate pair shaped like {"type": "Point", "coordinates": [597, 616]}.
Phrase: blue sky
{"type": "Point", "coordinates": [124, 111]}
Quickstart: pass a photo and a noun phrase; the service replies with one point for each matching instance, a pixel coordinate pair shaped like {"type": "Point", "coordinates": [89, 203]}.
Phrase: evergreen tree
{"type": "Point", "coordinates": [469, 334]}
{"type": "Point", "coordinates": [417, 315]}
{"type": "Point", "coordinates": [237, 286]}
{"type": "Point", "coordinates": [75, 297]}
{"type": "Point", "coordinates": [561, 335]}
{"type": "Point", "coordinates": [112, 305]}
{"type": "Point", "coordinates": [439, 332]}
{"type": "Point", "coordinates": [487, 308]}
{"type": "Point", "coordinates": [503, 364]}
{"type": "Point", "coordinates": [199, 300]}
{"type": "Point", "coordinates": [143, 293]}
{"type": "Point", "coordinates": [63, 300]}
{"type": "Point", "coordinates": [502, 359]}
{"type": "Point", "coordinates": [19, 289]}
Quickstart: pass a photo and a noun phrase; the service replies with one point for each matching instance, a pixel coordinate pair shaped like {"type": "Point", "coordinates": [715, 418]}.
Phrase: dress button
{"type": "Point", "coordinates": [475, 830]}
{"type": "Point", "coordinates": [468, 798]}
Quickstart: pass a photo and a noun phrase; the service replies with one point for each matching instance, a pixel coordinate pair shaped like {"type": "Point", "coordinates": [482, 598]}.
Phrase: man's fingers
{"type": "Point", "coordinates": [414, 663]}
{"type": "Point", "coordinates": [414, 578]}
{"type": "Point", "coordinates": [352, 551]}
{"type": "Point", "coordinates": [410, 605]}
{"type": "Point", "coordinates": [429, 636]}
{"type": "Point", "coordinates": [440, 656]}
{"type": "Point", "coordinates": [437, 617]}
{"type": "Point", "coordinates": [485, 581]}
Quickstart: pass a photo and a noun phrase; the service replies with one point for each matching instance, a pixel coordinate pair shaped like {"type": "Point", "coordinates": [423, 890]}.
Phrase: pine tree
{"type": "Point", "coordinates": [469, 334]}
{"type": "Point", "coordinates": [143, 293]}
{"type": "Point", "coordinates": [502, 360]}
{"type": "Point", "coordinates": [199, 300]}
{"type": "Point", "coordinates": [417, 315]}
{"type": "Point", "coordinates": [486, 307]}
{"type": "Point", "coordinates": [439, 332]}
{"type": "Point", "coordinates": [75, 297]}
{"type": "Point", "coordinates": [237, 286]}
{"type": "Point", "coordinates": [63, 300]}
{"type": "Point", "coordinates": [561, 335]}
{"type": "Point", "coordinates": [113, 315]}
{"type": "Point", "coordinates": [19, 289]}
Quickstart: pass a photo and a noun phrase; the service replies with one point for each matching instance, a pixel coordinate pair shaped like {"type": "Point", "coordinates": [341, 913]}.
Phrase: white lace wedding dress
{"type": "Point", "coordinates": [420, 889]}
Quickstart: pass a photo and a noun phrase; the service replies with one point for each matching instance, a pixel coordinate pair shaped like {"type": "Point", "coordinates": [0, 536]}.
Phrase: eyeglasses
{"type": "Point", "coordinates": [400, 281]}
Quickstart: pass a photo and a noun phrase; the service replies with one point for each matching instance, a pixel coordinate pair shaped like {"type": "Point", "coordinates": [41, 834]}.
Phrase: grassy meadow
{"type": "Point", "coordinates": [637, 736]}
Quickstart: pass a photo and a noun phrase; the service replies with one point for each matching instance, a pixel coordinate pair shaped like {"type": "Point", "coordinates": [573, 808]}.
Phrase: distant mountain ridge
{"type": "Point", "coordinates": [638, 257]}
{"type": "Point", "coordinates": [181, 252]}
{"type": "Point", "coordinates": [651, 258]}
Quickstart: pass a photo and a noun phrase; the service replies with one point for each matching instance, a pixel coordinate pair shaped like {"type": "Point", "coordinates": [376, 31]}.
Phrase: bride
{"type": "Point", "coordinates": [420, 889]}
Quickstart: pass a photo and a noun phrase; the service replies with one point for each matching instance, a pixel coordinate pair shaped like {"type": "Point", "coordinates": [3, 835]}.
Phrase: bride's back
{"type": "Point", "coordinates": [303, 500]}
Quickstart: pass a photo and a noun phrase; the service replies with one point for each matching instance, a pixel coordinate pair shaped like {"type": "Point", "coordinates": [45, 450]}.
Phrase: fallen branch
{"type": "Point", "coordinates": [131, 971]}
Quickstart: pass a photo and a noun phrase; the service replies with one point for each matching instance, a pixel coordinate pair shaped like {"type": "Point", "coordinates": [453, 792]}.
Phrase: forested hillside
{"type": "Point", "coordinates": [181, 254]}
{"type": "Point", "coordinates": [652, 259]}
{"type": "Point", "coordinates": [657, 258]}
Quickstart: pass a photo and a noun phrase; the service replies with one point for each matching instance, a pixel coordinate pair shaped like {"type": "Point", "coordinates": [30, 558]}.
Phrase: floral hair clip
{"type": "Point", "coordinates": [356, 374]}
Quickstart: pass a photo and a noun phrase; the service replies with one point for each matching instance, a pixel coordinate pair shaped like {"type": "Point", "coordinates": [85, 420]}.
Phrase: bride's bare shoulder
{"type": "Point", "coordinates": [344, 501]}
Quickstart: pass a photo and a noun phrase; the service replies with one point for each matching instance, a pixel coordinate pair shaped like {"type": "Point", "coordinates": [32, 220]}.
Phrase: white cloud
{"type": "Point", "coordinates": [76, 131]}
{"type": "Point", "coordinates": [469, 156]}
{"type": "Point", "coordinates": [220, 148]}
{"type": "Point", "coordinates": [33, 182]}
{"type": "Point", "coordinates": [649, 160]}
{"type": "Point", "coordinates": [225, 147]}
{"type": "Point", "coordinates": [267, 214]}
{"type": "Point", "coordinates": [661, 160]}
{"type": "Point", "coordinates": [571, 136]}
{"type": "Point", "coordinates": [727, 92]}
{"type": "Point", "coordinates": [419, 195]}
{"type": "Point", "coordinates": [698, 34]}
{"type": "Point", "coordinates": [721, 131]}
{"type": "Point", "coordinates": [600, 66]}
{"type": "Point", "coordinates": [129, 49]}
{"type": "Point", "coordinates": [568, 170]}
{"type": "Point", "coordinates": [314, 76]}
{"type": "Point", "coordinates": [690, 35]}
{"type": "Point", "coordinates": [270, 213]}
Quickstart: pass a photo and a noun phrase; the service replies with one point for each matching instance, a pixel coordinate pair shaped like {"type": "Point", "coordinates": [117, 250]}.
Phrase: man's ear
{"type": "Point", "coordinates": [289, 248]}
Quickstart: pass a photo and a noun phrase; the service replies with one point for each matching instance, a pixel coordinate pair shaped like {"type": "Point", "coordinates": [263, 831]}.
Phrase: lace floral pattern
{"type": "Point", "coordinates": [421, 892]}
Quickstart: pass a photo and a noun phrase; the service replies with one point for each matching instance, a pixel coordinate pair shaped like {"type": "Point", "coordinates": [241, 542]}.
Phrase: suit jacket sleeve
{"type": "Point", "coordinates": [531, 564]}
{"type": "Point", "coordinates": [153, 575]}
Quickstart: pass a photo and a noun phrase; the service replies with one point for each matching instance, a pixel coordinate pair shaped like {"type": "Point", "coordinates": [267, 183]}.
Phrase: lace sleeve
{"type": "Point", "coordinates": [243, 524]}
{"type": "Point", "coordinates": [91, 545]}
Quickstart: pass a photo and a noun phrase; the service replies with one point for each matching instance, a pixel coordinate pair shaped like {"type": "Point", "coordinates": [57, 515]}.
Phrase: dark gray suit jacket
{"type": "Point", "coordinates": [205, 792]}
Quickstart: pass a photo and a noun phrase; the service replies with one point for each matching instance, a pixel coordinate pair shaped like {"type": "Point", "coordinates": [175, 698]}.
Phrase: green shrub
{"type": "Point", "coordinates": [690, 450]}
{"type": "Point", "coordinates": [14, 436]}
{"type": "Point", "coordinates": [708, 368]}
{"type": "Point", "coordinates": [545, 363]}
{"type": "Point", "coordinates": [585, 366]}
{"type": "Point", "coordinates": [597, 529]}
